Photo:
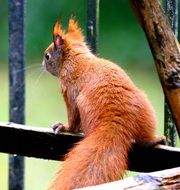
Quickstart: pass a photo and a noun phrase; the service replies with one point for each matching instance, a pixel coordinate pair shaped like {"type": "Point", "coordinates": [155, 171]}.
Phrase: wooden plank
{"type": "Point", "coordinates": [35, 142]}
{"type": "Point", "coordinates": [166, 179]}
{"type": "Point", "coordinates": [43, 143]}
{"type": "Point", "coordinates": [154, 159]}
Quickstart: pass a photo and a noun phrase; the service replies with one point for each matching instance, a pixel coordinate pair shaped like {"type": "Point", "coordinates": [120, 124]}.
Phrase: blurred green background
{"type": "Point", "coordinates": [121, 40]}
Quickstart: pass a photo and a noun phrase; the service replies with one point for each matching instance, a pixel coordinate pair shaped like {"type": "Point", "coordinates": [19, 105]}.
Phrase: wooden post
{"type": "Point", "coordinates": [165, 50]}
{"type": "Point", "coordinates": [17, 85]}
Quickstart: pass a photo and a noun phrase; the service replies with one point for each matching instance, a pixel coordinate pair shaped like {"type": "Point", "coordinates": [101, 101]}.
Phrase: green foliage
{"type": "Point", "coordinates": [121, 38]}
{"type": "Point", "coordinates": [41, 16]}
{"type": "Point", "coordinates": [3, 30]}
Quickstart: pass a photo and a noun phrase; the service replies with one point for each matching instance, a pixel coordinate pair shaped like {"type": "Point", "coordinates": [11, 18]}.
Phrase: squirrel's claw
{"type": "Point", "coordinates": [58, 128]}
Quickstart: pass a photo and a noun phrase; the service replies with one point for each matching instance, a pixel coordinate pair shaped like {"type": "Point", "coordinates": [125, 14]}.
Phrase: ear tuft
{"type": "Point", "coordinates": [73, 25]}
{"type": "Point", "coordinates": [74, 31]}
{"type": "Point", "coordinates": [57, 29]}
{"type": "Point", "coordinates": [58, 35]}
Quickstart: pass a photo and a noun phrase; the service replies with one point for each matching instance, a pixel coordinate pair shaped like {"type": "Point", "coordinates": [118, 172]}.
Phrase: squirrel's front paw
{"type": "Point", "coordinates": [59, 127]}
{"type": "Point", "coordinates": [161, 140]}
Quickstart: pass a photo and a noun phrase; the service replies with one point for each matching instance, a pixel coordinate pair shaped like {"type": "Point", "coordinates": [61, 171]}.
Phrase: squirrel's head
{"type": "Point", "coordinates": [62, 43]}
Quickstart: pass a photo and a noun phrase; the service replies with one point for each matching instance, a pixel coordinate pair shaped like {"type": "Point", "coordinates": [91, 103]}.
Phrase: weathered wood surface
{"type": "Point", "coordinates": [165, 50]}
{"type": "Point", "coordinates": [35, 141]}
{"type": "Point", "coordinates": [166, 179]}
{"type": "Point", "coordinates": [43, 143]}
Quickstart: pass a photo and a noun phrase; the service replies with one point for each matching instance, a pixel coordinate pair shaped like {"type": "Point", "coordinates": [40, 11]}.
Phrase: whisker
{"type": "Point", "coordinates": [31, 74]}
{"type": "Point", "coordinates": [37, 81]}
{"type": "Point", "coordinates": [27, 68]}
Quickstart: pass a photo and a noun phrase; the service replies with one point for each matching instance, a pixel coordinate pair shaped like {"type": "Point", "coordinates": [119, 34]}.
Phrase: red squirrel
{"type": "Point", "coordinates": [103, 102]}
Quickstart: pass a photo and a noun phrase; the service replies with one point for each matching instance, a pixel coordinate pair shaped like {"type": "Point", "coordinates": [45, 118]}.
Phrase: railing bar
{"type": "Point", "coordinates": [93, 24]}
{"type": "Point", "coordinates": [17, 85]}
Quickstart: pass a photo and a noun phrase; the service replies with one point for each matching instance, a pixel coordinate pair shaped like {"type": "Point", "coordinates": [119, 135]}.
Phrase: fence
{"type": "Point", "coordinates": [47, 145]}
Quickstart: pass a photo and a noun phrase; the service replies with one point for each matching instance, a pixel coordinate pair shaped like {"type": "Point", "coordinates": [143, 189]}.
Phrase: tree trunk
{"type": "Point", "coordinates": [165, 50]}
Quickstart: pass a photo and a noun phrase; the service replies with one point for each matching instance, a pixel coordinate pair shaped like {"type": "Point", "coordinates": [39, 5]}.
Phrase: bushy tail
{"type": "Point", "coordinates": [99, 158]}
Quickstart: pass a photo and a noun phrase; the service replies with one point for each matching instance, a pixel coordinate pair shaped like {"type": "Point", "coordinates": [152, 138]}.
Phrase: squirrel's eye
{"type": "Point", "coordinates": [48, 56]}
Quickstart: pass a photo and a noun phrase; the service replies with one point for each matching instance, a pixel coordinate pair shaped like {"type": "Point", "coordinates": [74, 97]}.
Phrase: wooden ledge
{"type": "Point", "coordinates": [166, 179]}
{"type": "Point", "coordinates": [43, 143]}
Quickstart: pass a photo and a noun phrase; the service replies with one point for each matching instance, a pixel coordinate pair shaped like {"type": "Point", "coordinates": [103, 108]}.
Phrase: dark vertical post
{"type": "Point", "coordinates": [17, 85]}
{"type": "Point", "coordinates": [169, 126]}
{"type": "Point", "coordinates": [93, 24]}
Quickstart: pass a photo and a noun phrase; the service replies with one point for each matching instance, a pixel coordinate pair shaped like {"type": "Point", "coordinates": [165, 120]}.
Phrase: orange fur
{"type": "Point", "coordinates": [74, 31]}
{"type": "Point", "coordinates": [57, 30]}
{"type": "Point", "coordinates": [104, 103]}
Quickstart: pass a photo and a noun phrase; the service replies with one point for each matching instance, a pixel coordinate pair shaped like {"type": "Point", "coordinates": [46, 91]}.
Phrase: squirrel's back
{"type": "Point", "coordinates": [109, 96]}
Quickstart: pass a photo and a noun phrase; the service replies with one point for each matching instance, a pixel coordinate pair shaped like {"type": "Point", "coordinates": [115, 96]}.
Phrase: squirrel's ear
{"type": "Point", "coordinates": [58, 35]}
{"type": "Point", "coordinates": [74, 31]}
